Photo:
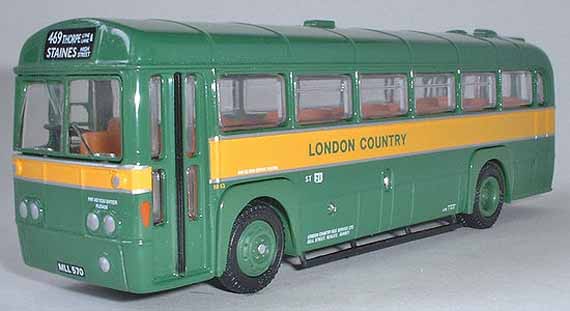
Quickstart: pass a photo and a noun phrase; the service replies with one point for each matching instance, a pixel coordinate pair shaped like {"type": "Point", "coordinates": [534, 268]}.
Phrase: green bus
{"type": "Point", "coordinates": [164, 153]}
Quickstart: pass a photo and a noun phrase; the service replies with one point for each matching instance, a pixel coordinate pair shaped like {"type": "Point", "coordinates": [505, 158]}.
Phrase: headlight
{"type": "Point", "coordinates": [23, 209]}
{"type": "Point", "coordinates": [34, 210]}
{"type": "Point", "coordinates": [92, 222]}
{"type": "Point", "coordinates": [104, 264]}
{"type": "Point", "coordinates": [109, 224]}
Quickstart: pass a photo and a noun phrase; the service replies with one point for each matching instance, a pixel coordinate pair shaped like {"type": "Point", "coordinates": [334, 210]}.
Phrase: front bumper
{"type": "Point", "coordinates": [44, 249]}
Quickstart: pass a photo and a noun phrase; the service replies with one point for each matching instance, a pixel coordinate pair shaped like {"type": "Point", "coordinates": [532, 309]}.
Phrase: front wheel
{"type": "Point", "coordinates": [255, 249]}
{"type": "Point", "coordinates": [489, 198]}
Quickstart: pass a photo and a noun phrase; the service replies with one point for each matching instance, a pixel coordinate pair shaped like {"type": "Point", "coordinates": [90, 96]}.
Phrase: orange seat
{"type": "Point", "coordinates": [323, 114]}
{"type": "Point", "coordinates": [430, 105]}
{"type": "Point", "coordinates": [513, 102]}
{"type": "Point", "coordinates": [270, 118]}
{"type": "Point", "coordinates": [381, 110]}
{"type": "Point", "coordinates": [108, 141]}
{"type": "Point", "coordinates": [475, 104]}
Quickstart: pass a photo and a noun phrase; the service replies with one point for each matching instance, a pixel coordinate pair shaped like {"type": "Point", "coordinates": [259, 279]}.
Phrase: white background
{"type": "Point", "coordinates": [522, 263]}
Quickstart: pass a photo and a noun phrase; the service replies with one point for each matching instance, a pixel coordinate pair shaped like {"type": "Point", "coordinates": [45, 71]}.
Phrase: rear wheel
{"type": "Point", "coordinates": [255, 250]}
{"type": "Point", "coordinates": [489, 198]}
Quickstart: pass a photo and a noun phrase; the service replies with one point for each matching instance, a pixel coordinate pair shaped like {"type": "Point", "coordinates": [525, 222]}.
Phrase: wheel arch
{"type": "Point", "coordinates": [278, 192]}
{"type": "Point", "coordinates": [500, 155]}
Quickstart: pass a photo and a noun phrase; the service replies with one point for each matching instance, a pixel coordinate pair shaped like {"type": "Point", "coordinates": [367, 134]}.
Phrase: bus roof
{"type": "Point", "coordinates": [165, 42]}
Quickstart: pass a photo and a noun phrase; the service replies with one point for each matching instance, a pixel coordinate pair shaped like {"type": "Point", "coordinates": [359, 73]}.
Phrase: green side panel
{"type": "Point", "coordinates": [421, 188]}
{"type": "Point", "coordinates": [534, 167]}
{"type": "Point", "coordinates": [545, 166]}
{"type": "Point", "coordinates": [524, 168]}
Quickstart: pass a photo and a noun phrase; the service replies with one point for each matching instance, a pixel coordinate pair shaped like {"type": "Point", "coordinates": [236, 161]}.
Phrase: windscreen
{"type": "Point", "coordinates": [94, 118]}
{"type": "Point", "coordinates": [90, 116]}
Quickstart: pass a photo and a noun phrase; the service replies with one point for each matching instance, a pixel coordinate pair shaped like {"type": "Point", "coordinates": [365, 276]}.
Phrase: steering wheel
{"type": "Point", "coordinates": [79, 131]}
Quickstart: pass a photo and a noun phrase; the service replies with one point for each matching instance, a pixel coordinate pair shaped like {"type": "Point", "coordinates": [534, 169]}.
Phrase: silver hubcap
{"type": "Point", "coordinates": [262, 248]}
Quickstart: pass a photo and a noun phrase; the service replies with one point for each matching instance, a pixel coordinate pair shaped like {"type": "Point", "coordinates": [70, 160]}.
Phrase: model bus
{"type": "Point", "coordinates": [155, 154]}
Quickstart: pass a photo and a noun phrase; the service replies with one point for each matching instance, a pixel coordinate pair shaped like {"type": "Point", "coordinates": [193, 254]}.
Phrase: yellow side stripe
{"type": "Point", "coordinates": [131, 179]}
{"type": "Point", "coordinates": [232, 157]}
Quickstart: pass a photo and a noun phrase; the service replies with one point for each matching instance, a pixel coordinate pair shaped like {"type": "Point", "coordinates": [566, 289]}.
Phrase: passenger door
{"type": "Point", "coordinates": [177, 144]}
{"type": "Point", "coordinates": [191, 160]}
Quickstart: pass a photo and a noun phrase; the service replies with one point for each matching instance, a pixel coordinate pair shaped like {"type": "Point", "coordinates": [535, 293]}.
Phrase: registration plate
{"type": "Point", "coordinates": [70, 269]}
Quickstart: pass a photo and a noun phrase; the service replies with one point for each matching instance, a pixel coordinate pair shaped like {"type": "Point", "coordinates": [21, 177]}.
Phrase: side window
{"type": "Point", "coordinates": [155, 101]}
{"type": "Point", "coordinates": [157, 197]}
{"type": "Point", "coordinates": [251, 101]}
{"type": "Point", "coordinates": [539, 89]}
{"type": "Point", "coordinates": [322, 99]}
{"type": "Point", "coordinates": [517, 88]}
{"type": "Point", "coordinates": [434, 93]}
{"type": "Point", "coordinates": [190, 114]}
{"type": "Point", "coordinates": [383, 96]}
{"type": "Point", "coordinates": [478, 91]}
{"type": "Point", "coordinates": [43, 116]}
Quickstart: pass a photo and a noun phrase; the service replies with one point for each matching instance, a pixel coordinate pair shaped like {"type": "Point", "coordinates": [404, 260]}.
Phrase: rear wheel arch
{"type": "Point", "coordinates": [499, 155]}
{"type": "Point", "coordinates": [276, 192]}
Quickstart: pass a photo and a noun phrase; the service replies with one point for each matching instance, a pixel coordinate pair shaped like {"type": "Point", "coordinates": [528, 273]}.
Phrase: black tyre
{"type": "Point", "coordinates": [489, 198]}
{"type": "Point", "coordinates": [255, 249]}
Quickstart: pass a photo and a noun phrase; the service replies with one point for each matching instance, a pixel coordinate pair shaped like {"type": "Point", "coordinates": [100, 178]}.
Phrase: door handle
{"type": "Point", "coordinates": [387, 179]}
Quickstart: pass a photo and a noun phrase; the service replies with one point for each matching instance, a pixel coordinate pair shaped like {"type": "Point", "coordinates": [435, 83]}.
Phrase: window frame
{"type": "Point", "coordinates": [496, 94]}
{"type": "Point", "coordinates": [158, 190]}
{"type": "Point", "coordinates": [538, 77]}
{"type": "Point", "coordinates": [160, 135]}
{"type": "Point", "coordinates": [452, 95]}
{"type": "Point", "coordinates": [354, 102]}
{"type": "Point", "coordinates": [252, 129]}
{"type": "Point", "coordinates": [531, 102]}
{"type": "Point", "coordinates": [66, 81]}
{"type": "Point", "coordinates": [68, 114]}
{"type": "Point", "coordinates": [26, 82]}
{"type": "Point", "coordinates": [190, 150]}
{"type": "Point", "coordinates": [405, 76]}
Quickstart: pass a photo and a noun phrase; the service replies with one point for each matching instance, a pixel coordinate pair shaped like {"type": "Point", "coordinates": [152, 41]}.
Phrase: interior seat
{"type": "Point", "coordinates": [431, 105]}
{"type": "Point", "coordinates": [381, 110]}
{"type": "Point", "coordinates": [108, 141]}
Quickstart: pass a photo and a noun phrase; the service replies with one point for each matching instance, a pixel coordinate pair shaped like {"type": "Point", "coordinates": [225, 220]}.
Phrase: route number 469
{"type": "Point", "coordinates": [55, 37]}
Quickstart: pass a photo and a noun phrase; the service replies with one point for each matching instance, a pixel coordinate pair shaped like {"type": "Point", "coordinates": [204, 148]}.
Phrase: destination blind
{"type": "Point", "coordinates": [63, 44]}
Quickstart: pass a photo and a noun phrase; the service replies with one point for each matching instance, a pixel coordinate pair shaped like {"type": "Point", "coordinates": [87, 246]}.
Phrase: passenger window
{"type": "Point", "coordinates": [434, 93]}
{"type": "Point", "coordinates": [251, 101]}
{"type": "Point", "coordinates": [322, 99]}
{"type": "Point", "coordinates": [190, 114]}
{"type": "Point", "coordinates": [478, 91]}
{"type": "Point", "coordinates": [540, 89]}
{"type": "Point", "coordinates": [383, 96]}
{"type": "Point", "coordinates": [155, 98]}
{"type": "Point", "coordinates": [517, 89]}
{"type": "Point", "coordinates": [157, 197]}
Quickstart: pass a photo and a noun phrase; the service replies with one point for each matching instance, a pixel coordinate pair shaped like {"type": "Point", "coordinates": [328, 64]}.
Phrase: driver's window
{"type": "Point", "coordinates": [94, 118]}
{"type": "Point", "coordinates": [43, 118]}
